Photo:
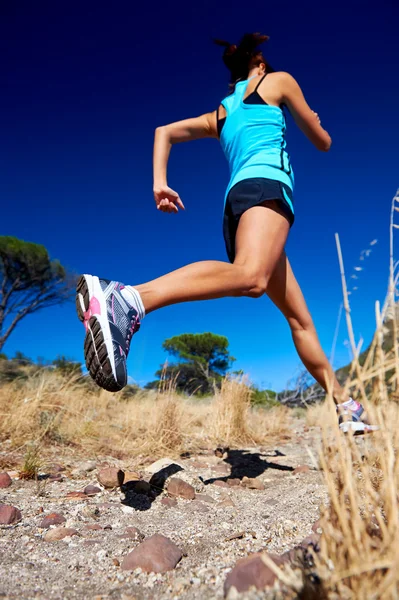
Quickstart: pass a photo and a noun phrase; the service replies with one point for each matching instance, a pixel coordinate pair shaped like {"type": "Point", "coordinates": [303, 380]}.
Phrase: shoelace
{"type": "Point", "coordinates": [134, 326]}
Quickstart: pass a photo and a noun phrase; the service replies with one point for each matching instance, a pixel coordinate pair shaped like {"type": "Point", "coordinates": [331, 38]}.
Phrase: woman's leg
{"type": "Point", "coordinates": [284, 291]}
{"type": "Point", "coordinates": [261, 236]}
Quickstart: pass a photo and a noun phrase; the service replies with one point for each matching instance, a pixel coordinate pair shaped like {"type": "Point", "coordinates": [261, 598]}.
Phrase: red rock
{"type": "Point", "coordinates": [179, 488]}
{"type": "Point", "coordinates": [76, 496]}
{"type": "Point", "coordinates": [198, 506]}
{"type": "Point", "coordinates": [301, 469]}
{"type": "Point", "coordinates": [59, 533]}
{"type": "Point", "coordinates": [157, 554]}
{"type": "Point", "coordinates": [169, 502]}
{"type": "Point", "coordinates": [131, 476]}
{"type": "Point", "coordinates": [94, 527]}
{"type": "Point", "coordinates": [52, 519]}
{"type": "Point", "coordinates": [220, 483]}
{"type": "Point", "coordinates": [111, 477]}
{"type": "Point", "coordinates": [252, 483]}
{"type": "Point", "coordinates": [251, 571]}
{"type": "Point", "coordinates": [116, 562]}
{"type": "Point", "coordinates": [234, 482]}
{"type": "Point", "coordinates": [91, 490]}
{"type": "Point", "coordinates": [9, 514]}
{"type": "Point", "coordinates": [5, 480]}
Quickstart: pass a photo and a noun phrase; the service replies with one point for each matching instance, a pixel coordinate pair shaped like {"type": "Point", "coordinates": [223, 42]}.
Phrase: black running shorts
{"type": "Point", "coordinates": [246, 194]}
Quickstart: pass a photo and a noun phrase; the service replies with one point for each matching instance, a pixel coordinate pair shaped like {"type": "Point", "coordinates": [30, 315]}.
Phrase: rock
{"type": "Point", "coordinates": [301, 469]}
{"type": "Point", "coordinates": [55, 477]}
{"type": "Point", "coordinates": [181, 489]}
{"type": "Point", "coordinates": [9, 514]}
{"type": "Point", "coordinates": [160, 464]}
{"type": "Point", "coordinates": [52, 519]}
{"type": "Point", "coordinates": [169, 502]}
{"type": "Point", "coordinates": [235, 536]}
{"type": "Point", "coordinates": [116, 562]}
{"type": "Point", "coordinates": [111, 477]}
{"type": "Point", "coordinates": [198, 465]}
{"type": "Point", "coordinates": [76, 496]}
{"type": "Point", "coordinates": [131, 476]}
{"type": "Point", "coordinates": [252, 483]}
{"type": "Point", "coordinates": [59, 533]}
{"type": "Point", "coordinates": [220, 483]}
{"type": "Point", "coordinates": [222, 451]}
{"type": "Point", "coordinates": [251, 571]}
{"type": "Point", "coordinates": [134, 534]}
{"type": "Point", "coordinates": [316, 527]}
{"type": "Point", "coordinates": [234, 482]}
{"type": "Point", "coordinates": [226, 502]}
{"type": "Point", "coordinates": [91, 490]}
{"type": "Point", "coordinates": [157, 554]}
{"type": "Point", "coordinates": [108, 527]}
{"type": "Point", "coordinates": [95, 527]}
{"type": "Point", "coordinates": [5, 480]}
{"type": "Point", "coordinates": [198, 506]}
{"type": "Point", "coordinates": [204, 498]}
{"type": "Point", "coordinates": [87, 467]}
{"type": "Point", "coordinates": [56, 468]}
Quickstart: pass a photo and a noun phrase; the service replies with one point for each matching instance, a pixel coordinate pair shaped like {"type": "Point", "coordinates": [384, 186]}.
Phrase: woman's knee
{"type": "Point", "coordinates": [254, 283]}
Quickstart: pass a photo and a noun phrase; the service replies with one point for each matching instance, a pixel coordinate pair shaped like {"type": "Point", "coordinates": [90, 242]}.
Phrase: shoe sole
{"type": "Point", "coordinates": [98, 346]}
{"type": "Point", "coordinates": [357, 427]}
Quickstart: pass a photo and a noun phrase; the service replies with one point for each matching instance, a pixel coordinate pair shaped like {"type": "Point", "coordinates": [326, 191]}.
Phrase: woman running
{"type": "Point", "coordinates": [258, 214]}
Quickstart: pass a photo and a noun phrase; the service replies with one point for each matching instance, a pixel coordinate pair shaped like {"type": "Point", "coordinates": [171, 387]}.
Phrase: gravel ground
{"type": "Point", "coordinates": [87, 565]}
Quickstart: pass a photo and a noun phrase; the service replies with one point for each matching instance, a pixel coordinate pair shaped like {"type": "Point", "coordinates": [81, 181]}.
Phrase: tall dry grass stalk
{"type": "Point", "coordinates": [59, 412]}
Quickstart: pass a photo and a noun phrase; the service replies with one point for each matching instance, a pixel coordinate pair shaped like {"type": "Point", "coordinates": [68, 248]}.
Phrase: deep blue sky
{"type": "Point", "coordinates": [83, 86]}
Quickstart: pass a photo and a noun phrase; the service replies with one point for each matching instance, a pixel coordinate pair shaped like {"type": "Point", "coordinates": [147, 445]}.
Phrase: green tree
{"type": "Point", "coordinates": [29, 281]}
{"type": "Point", "coordinates": [202, 361]}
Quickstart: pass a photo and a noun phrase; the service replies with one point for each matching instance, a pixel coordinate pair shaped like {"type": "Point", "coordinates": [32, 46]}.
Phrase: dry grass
{"type": "Point", "coordinates": [52, 410]}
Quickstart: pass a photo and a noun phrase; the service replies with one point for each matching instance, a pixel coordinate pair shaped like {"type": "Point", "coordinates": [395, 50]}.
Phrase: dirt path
{"type": "Point", "coordinates": [87, 565]}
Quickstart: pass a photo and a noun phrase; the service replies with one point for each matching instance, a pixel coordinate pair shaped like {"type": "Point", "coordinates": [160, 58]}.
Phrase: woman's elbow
{"type": "Point", "coordinates": [324, 144]}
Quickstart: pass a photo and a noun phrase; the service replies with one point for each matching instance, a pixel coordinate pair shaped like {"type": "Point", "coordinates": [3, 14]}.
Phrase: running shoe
{"type": "Point", "coordinates": [349, 419]}
{"type": "Point", "coordinates": [110, 323]}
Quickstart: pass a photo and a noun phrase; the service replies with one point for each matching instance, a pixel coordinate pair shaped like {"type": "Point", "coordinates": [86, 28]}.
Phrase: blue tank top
{"type": "Point", "coordinates": [253, 140]}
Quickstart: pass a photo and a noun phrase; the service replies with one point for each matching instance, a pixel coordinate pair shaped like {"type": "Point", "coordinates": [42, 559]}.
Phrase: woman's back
{"type": "Point", "coordinates": [252, 127]}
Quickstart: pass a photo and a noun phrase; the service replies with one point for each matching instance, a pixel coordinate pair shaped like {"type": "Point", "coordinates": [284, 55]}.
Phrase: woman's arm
{"type": "Point", "coordinates": [306, 119]}
{"type": "Point", "coordinates": [204, 126]}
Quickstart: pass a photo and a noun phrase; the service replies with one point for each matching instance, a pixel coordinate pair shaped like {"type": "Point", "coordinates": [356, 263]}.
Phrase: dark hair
{"type": "Point", "coordinates": [242, 58]}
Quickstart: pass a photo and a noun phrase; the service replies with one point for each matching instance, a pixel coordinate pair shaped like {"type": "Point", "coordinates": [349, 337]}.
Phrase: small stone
{"type": "Point", "coordinates": [108, 527]}
{"type": "Point", "coordinates": [76, 496]}
{"type": "Point", "coordinates": [316, 527]}
{"type": "Point", "coordinates": [220, 483]}
{"type": "Point", "coordinates": [59, 533]}
{"type": "Point", "coordinates": [56, 468]}
{"type": "Point", "coordinates": [226, 502]}
{"type": "Point", "coordinates": [131, 476]}
{"type": "Point", "coordinates": [234, 482]}
{"type": "Point", "coordinates": [95, 527]}
{"type": "Point", "coordinates": [169, 502]}
{"type": "Point", "coordinates": [251, 571]}
{"type": "Point", "coordinates": [116, 562]}
{"type": "Point", "coordinates": [91, 490]}
{"type": "Point", "coordinates": [198, 506]}
{"type": "Point", "coordinates": [9, 514]}
{"type": "Point", "coordinates": [55, 477]}
{"type": "Point", "coordinates": [160, 464]}
{"type": "Point", "coordinates": [157, 554]}
{"type": "Point", "coordinates": [301, 469]}
{"type": "Point", "coordinates": [87, 467]}
{"type": "Point", "coordinates": [5, 480]}
{"type": "Point", "coordinates": [134, 534]}
{"type": "Point", "coordinates": [204, 498]}
{"type": "Point", "coordinates": [52, 519]}
{"type": "Point", "coordinates": [111, 477]}
{"type": "Point", "coordinates": [181, 489]}
{"type": "Point", "coordinates": [235, 536]}
{"type": "Point", "coordinates": [252, 483]}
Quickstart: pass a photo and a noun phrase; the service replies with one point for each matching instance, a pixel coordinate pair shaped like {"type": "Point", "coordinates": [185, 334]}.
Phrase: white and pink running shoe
{"type": "Point", "coordinates": [110, 322]}
{"type": "Point", "coordinates": [349, 418]}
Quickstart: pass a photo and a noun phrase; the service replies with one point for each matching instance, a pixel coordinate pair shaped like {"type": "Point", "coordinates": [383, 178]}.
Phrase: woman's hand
{"type": "Point", "coordinates": [167, 200]}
